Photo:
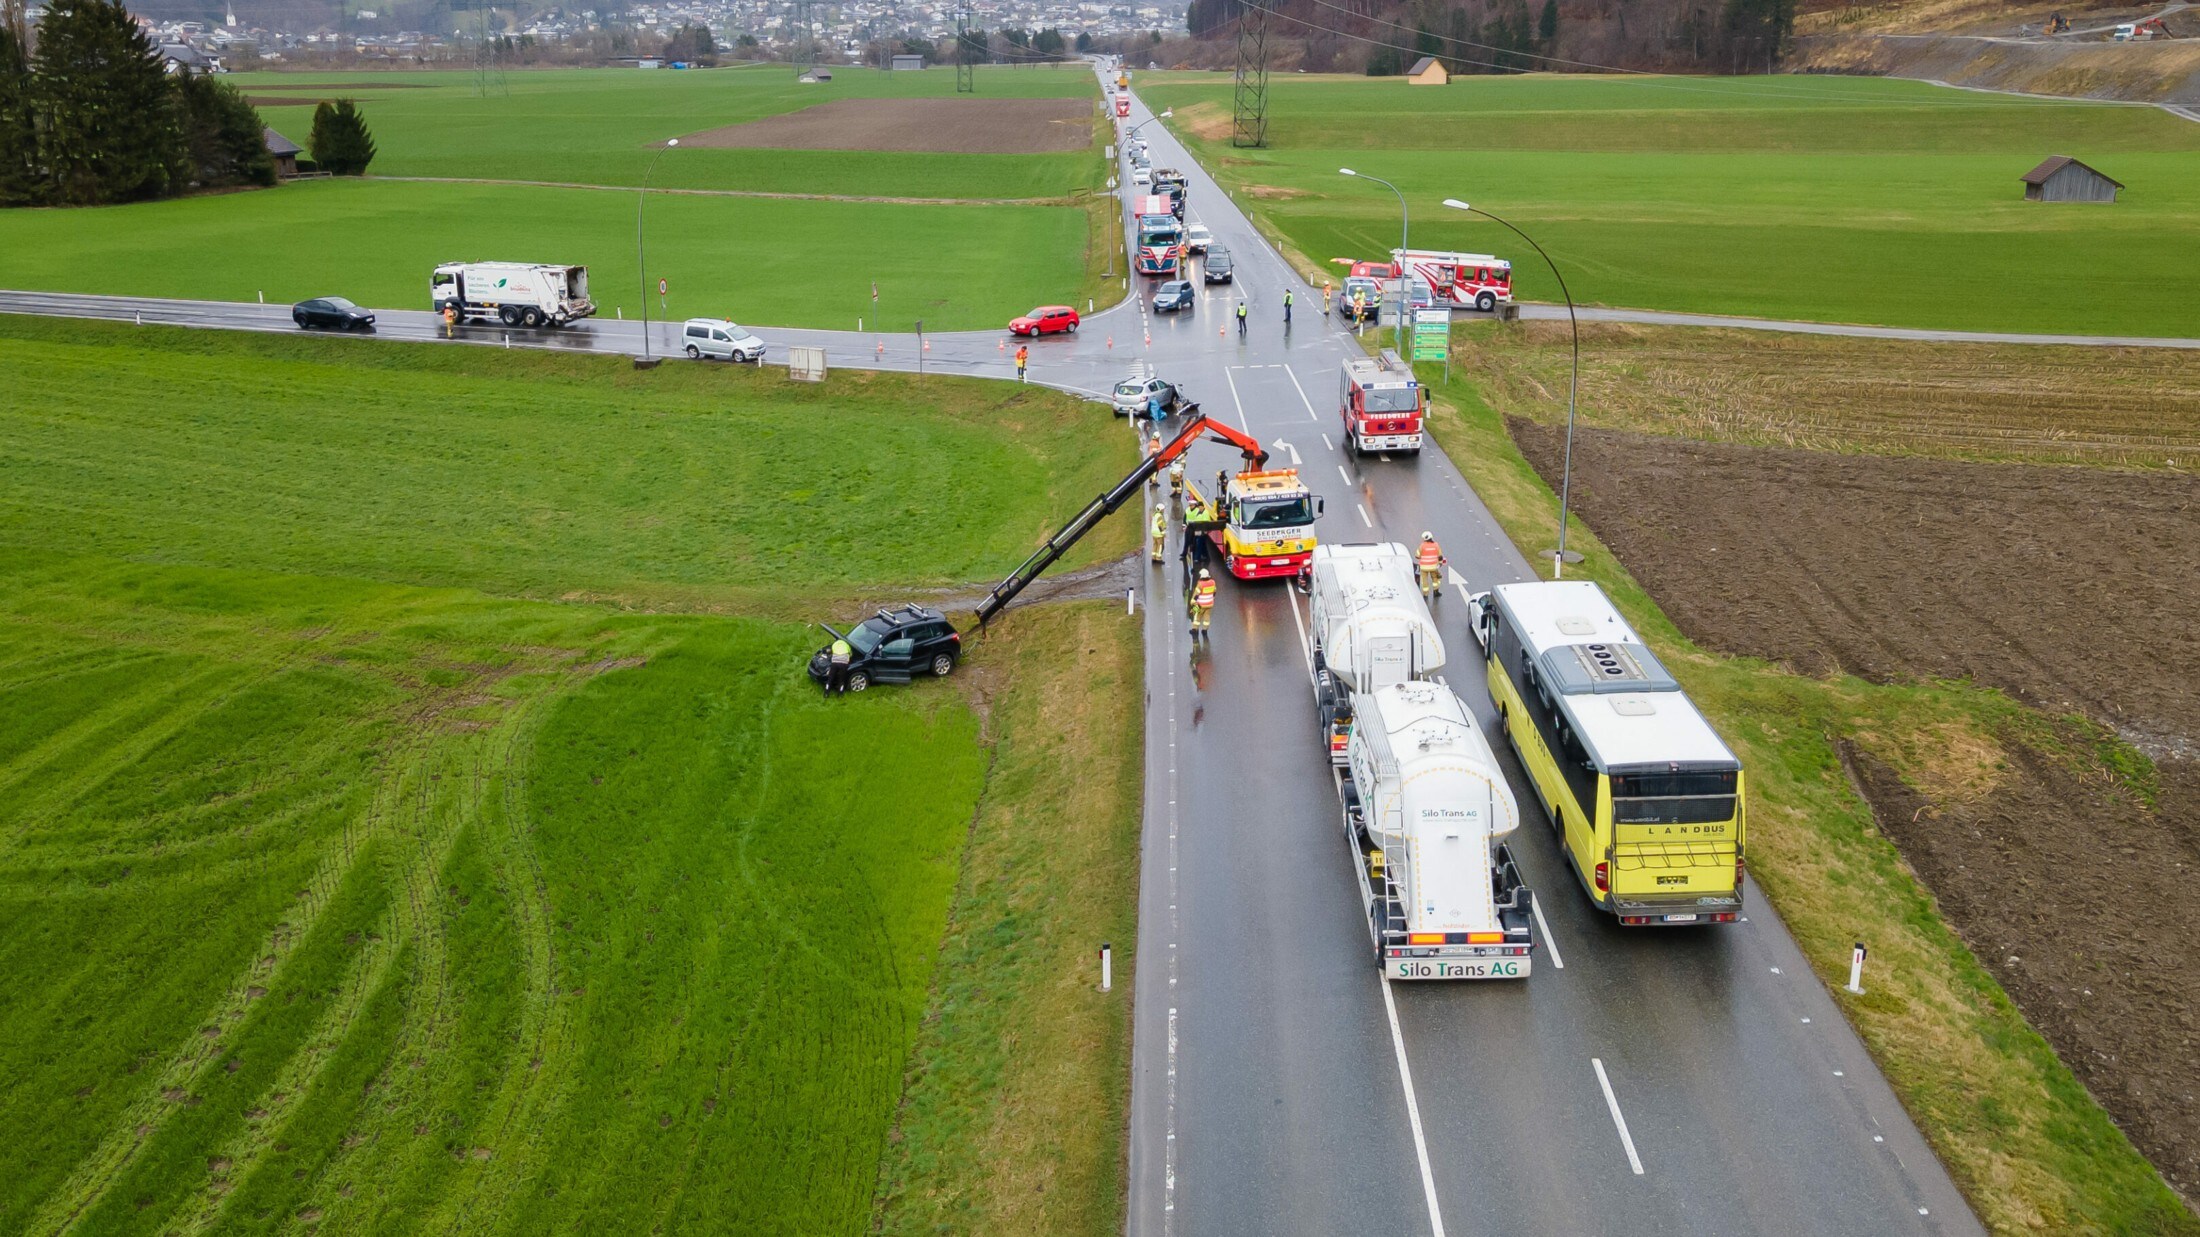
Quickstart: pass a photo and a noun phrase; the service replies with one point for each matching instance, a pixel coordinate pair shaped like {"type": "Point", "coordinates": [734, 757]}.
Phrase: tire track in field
{"type": "Point", "coordinates": [539, 1072]}
{"type": "Point", "coordinates": [139, 1124]}
{"type": "Point", "coordinates": [377, 958]}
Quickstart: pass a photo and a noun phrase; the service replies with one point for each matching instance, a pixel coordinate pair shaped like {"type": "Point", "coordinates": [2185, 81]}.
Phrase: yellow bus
{"type": "Point", "coordinates": [1646, 798]}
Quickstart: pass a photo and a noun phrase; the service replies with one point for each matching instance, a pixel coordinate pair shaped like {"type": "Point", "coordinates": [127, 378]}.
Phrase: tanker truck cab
{"type": "Point", "coordinates": [1270, 527]}
{"type": "Point", "coordinates": [1426, 814]}
{"type": "Point", "coordinates": [1647, 799]}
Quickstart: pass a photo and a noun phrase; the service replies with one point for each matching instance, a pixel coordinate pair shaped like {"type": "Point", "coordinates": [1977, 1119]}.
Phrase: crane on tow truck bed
{"type": "Point", "coordinates": [1100, 508]}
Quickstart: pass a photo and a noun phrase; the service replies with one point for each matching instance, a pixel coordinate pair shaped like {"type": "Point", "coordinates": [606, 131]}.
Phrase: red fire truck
{"type": "Point", "coordinates": [1476, 280]}
{"type": "Point", "coordinates": [1382, 405]}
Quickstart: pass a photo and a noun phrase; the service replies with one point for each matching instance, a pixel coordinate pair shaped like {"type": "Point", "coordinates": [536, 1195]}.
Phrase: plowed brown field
{"type": "Point", "coordinates": [2071, 589]}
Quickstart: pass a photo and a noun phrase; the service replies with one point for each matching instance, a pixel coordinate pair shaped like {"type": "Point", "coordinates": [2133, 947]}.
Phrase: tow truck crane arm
{"type": "Point", "coordinates": [1105, 505]}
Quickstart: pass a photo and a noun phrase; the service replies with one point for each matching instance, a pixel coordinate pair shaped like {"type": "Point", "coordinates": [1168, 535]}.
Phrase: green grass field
{"type": "Point", "coordinates": [350, 879]}
{"type": "Point", "coordinates": [763, 260]}
{"type": "Point", "coordinates": [600, 127]}
{"type": "Point", "coordinates": [1836, 199]}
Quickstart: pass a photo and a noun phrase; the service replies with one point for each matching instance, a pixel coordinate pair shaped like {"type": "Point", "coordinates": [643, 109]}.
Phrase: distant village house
{"type": "Point", "coordinates": [1428, 71]}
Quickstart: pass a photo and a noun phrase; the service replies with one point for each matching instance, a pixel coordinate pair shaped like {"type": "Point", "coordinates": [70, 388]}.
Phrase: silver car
{"type": "Point", "coordinates": [722, 338]}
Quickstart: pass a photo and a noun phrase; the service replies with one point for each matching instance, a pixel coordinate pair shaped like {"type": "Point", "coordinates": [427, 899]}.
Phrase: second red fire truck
{"type": "Point", "coordinates": [1382, 403]}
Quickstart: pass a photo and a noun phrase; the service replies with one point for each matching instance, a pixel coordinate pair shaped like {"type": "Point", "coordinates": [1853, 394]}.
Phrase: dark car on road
{"type": "Point", "coordinates": [892, 646]}
{"type": "Point", "coordinates": [1172, 296]}
{"type": "Point", "coordinates": [1216, 266]}
{"type": "Point", "coordinates": [331, 311]}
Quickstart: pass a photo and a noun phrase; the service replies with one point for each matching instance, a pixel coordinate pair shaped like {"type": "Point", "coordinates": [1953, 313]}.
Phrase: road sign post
{"type": "Point", "coordinates": [1856, 969]}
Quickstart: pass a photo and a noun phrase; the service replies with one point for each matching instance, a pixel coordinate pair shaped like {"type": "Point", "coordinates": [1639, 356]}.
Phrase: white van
{"type": "Point", "coordinates": [722, 338]}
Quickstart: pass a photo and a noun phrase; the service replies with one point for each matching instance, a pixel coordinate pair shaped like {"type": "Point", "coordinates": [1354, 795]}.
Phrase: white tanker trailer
{"type": "Point", "coordinates": [1371, 630]}
{"type": "Point", "coordinates": [1426, 813]}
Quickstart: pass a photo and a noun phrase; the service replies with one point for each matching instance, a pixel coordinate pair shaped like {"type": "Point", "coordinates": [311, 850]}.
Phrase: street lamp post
{"type": "Point", "coordinates": [641, 256]}
{"type": "Point", "coordinates": [1405, 229]}
{"type": "Point", "coordinates": [1573, 384]}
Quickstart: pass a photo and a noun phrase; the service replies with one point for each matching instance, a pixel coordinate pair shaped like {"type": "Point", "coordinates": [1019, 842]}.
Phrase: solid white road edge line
{"type": "Point", "coordinates": [1413, 1112]}
{"type": "Point", "coordinates": [1611, 1101]}
{"type": "Point", "coordinates": [1549, 942]}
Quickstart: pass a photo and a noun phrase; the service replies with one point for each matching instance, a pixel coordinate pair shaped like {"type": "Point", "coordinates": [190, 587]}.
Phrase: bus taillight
{"type": "Point", "coordinates": [1604, 878]}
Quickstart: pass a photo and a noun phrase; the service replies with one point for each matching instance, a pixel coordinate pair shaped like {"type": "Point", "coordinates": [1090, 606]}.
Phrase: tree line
{"type": "Point", "coordinates": [92, 116]}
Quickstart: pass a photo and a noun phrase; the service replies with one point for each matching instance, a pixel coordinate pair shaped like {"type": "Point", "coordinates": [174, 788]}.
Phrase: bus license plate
{"type": "Point", "coordinates": [1688, 918]}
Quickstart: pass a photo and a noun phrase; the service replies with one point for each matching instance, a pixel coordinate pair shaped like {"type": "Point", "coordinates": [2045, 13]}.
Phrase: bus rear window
{"type": "Point", "coordinates": [1673, 797]}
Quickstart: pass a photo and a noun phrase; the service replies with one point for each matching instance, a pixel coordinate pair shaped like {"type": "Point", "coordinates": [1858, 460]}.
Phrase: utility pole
{"type": "Point", "coordinates": [805, 51]}
{"type": "Point", "coordinates": [1249, 104]}
{"type": "Point", "coordinates": [966, 70]}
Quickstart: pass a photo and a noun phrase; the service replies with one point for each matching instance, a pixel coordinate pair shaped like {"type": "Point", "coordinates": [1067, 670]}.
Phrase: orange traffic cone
{"type": "Point", "coordinates": [1111, 341]}
{"type": "Point", "coordinates": [1000, 345]}
{"type": "Point", "coordinates": [882, 347]}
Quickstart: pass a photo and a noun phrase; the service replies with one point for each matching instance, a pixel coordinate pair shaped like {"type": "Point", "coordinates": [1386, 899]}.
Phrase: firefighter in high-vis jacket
{"type": "Point", "coordinates": [1160, 529]}
{"type": "Point", "coordinates": [1430, 560]}
{"type": "Point", "coordinates": [1202, 603]}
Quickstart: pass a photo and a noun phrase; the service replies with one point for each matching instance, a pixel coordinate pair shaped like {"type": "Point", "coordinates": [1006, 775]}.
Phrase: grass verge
{"type": "Point", "coordinates": [1015, 1113]}
{"type": "Point", "coordinates": [2031, 1149]}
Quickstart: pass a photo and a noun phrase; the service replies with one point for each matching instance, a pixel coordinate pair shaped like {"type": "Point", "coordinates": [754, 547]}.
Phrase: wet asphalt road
{"type": "Point", "coordinates": [1271, 1068]}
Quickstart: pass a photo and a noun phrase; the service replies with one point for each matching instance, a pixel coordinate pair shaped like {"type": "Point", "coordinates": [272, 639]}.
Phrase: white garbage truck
{"type": "Point", "coordinates": [1371, 629]}
{"type": "Point", "coordinates": [1426, 814]}
{"type": "Point", "coordinates": [514, 293]}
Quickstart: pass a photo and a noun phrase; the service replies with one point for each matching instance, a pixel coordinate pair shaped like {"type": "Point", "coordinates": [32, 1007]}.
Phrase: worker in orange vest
{"type": "Point", "coordinates": [1203, 602]}
{"type": "Point", "coordinates": [1431, 563]}
{"type": "Point", "coordinates": [450, 321]}
{"type": "Point", "coordinates": [1023, 358]}
{"type": "Point", "coordinates": [1153, 448]}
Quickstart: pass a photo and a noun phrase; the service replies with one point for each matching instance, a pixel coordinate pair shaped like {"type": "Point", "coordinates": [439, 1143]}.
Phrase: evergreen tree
{"type": "Point", "coordinates": [21, 180]}
{"type": "Point", "coordinates": [107, 109]}
{"type": "Point", "coordinates": [1547, 28]}
{"type": "Point", "coordinates": [340, 143]}
{"type": "Point", "coordinates": [223, 133]}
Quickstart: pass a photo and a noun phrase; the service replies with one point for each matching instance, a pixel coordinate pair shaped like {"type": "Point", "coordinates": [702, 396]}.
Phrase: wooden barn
{"type": "Point", "coordinates": [2064, 179]}
{"type": "Point", "coordinates": [1428, 71]}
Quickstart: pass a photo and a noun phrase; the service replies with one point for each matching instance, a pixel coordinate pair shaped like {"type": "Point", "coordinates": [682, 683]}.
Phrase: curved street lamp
{"type": "Point", "coordinates": [1405, 225]}
{"type": "Point", "coordinates": [1147, 121]}
{"type": "Point", "coordinates": [1573, 385]}
{"type": "Point", "coordinates": [641, 257]}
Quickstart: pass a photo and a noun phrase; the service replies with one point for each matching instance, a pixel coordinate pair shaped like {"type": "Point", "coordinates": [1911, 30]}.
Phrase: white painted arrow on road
{"type": "Point", "coordinates": [1458, 582]}
{"type": "Point", "coordinates": [1293, 450]}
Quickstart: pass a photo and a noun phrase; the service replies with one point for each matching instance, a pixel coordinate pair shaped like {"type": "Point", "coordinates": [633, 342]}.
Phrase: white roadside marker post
{"type": "Point", "coordinates": [1130, 601]}
{"type": "Point", "coordinates": [1107, 966]}
{"type": "Point", "coordinates": [1856, 969]}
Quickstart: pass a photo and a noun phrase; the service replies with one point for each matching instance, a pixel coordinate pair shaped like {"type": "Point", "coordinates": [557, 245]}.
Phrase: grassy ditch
{"type": "Point", "coordinates": [2031, 1149]}
{"type": "Point", "coordinates": [1014, 1117]}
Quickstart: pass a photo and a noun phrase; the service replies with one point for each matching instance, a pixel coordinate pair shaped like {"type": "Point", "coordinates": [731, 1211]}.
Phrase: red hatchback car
{"type": "Point", "coordinates": [1045, 320]}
